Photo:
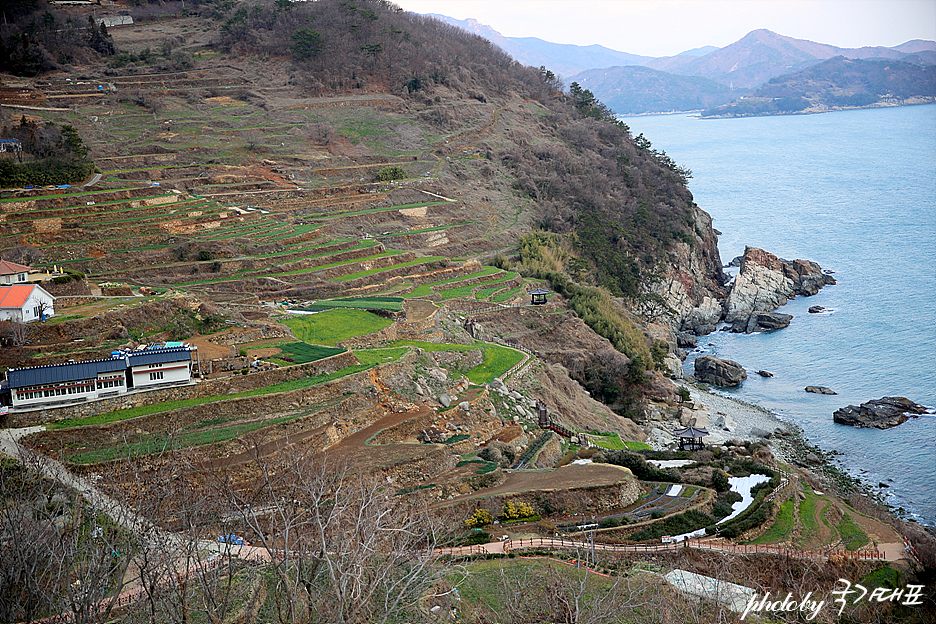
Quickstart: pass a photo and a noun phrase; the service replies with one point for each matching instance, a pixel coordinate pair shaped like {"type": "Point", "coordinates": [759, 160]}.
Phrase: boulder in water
{"type": "Point", "coordinates": [719, 372]}
{"type": "Point", "coordinates": [880, 413]}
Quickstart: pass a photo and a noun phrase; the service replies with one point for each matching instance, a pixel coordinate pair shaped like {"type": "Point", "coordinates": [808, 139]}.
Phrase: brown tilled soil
{"type": "Point", "coordinates": [567, 477]}
{"type": "Point", "coordinates": [418, 309]}
{"type": "Point", "coordinates": [361, 456]}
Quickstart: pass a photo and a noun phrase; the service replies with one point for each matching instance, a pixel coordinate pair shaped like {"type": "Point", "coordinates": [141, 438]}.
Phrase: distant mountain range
{"type": "Point", "coordinates": [835, 84]}
{"type": "Point", "coordinates": [761, 54]}
{"type": "Point", "coordinates": [563, 59]}
{"type": "Point", "coordinates": [703, 77]}
{"type": "Point", "coordinates": [634, 90]}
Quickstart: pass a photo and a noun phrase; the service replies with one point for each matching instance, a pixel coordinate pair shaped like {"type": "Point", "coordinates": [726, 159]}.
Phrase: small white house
{"type": "Point", "coordinates": [23, 303]}
{"type": "Point", "coordinates": [159, 367]}
{"type": "Point", "coordinates": [12, 273]}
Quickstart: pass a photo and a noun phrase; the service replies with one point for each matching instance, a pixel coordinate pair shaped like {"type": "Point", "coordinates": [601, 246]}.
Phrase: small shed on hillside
{"type": "Point", "coordinates": [538, 296]}
{"type": "Point", "coordinates": [691, 438]}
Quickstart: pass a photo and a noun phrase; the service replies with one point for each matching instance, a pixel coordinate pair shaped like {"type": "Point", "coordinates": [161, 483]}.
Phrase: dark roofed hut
{"type": "Point", "coordinates": [691, 438]}
{"type": "Point", "coordinates": [538, 296]}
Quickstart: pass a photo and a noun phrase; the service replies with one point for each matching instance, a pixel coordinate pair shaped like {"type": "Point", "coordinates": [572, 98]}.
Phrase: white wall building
{"type": "Point", "coordinates": [23, 303]}
{"type": "Point", "coordinates": [58, 385]}
{"type": "Point", "coordinates": [12, 273]}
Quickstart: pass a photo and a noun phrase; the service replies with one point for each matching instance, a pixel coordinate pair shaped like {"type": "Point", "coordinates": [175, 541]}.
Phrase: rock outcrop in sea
{"type": "Point", "coordinates": [766, 282]}
{"type": "Point", "coordinates": [880, 413]}
{"type": "Point", "coordinates": [763, 284]}
{"type": "Point", "coordinates": [719, 372]}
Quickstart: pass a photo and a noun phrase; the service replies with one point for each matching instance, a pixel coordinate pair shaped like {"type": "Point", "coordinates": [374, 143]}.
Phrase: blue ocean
{"type": "Point", "coordinates": [854, 191]}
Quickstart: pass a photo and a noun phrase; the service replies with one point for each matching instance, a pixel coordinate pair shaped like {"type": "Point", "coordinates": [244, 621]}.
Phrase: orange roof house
{"type": "Point", "coordinates": [25, 302]}
{"type": "Point", "coordinates": [12, 273]}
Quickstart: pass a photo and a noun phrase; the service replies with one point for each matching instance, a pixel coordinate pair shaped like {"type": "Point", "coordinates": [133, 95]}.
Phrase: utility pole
{"type": "Point", "coordinates": [593, 541]}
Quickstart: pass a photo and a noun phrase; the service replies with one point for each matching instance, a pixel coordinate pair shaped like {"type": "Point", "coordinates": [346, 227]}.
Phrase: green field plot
{"type": "Point", "coordinates": [354, 213]}
{"type": "Point", "coordinates": [458, 291]}
{"type": "Point", "coordinates": [438, 228]}
{"type": "Point", "coordinates": [302, 353]}
{"type": "Point", "coordinates": [158, 443]}
{"type": "Point", "coordinates": [613, 441]}
{"type": "Point", "coordinates": [852, 535]}
{"type": "Point", "coordinates": [427, 289]}
{"type": "Point", "coordinates": [331, 327]}
{"type": "Point", "coordinates": [321, 267]}
{"type": "Point", "coordinates": [497, 359]}
{"type": "Point", "coordinates": [146, 410]}
{"type": "Point", "coordinates": [394, 304]}
{"type": "Point", "coordinates": [484, 293]}
{"type": "Point", "coordinates": [466, 289]}
{"type": "Point", "coordinates": [65, 195]}
{"type": "Point", "coordinates": [482, 586]}
{"type": "Point", "coordinates": [380, 356]}
{"type": "Point", "coordinates": [507, 295]}
{"type": "Point", "coordinates": [780, 529]}
{"type": "Point", "coordinates": [807, 517]}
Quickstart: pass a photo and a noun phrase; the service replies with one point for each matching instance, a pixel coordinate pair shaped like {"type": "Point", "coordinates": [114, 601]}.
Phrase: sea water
{"type": "Point", "coordinates": [854, 191]}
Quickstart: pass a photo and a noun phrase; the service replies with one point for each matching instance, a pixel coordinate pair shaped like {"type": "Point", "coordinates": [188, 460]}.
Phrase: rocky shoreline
{"type": "Point", "coordinates": [726, 419]}
{"type": "Point", "coordinates": [734, 419]}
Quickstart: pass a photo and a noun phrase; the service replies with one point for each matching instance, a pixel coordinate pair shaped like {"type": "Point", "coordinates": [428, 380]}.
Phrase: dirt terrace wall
{"type": "Point", "coordinates": [420, 469]}
{"type": "Point", "coordinates": [210, 387]}
{"type": "Point", "coordinates": [66, 199]}
{"type": "Point", "coordinates": [250, 335]}
{"type": "Point", "coordinates": [599, 499]}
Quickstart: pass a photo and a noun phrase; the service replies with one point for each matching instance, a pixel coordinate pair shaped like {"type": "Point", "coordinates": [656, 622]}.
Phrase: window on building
{"type": "Point", "coordinates": [156, 375]}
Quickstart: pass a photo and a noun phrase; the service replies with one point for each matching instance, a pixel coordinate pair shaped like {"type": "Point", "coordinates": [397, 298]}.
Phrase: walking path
{"type": "Point", "coordinates": [152, 535]}
{"type": "Point", "coordinates": [891, 552]}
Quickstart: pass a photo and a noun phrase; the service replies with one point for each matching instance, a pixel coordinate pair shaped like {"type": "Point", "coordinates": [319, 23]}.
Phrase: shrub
{"type": "Point", "coordinates": [674, 525]}
{"type": "Point", "coordinates": [720, 480]}
{"type": "Point", "coordinates": [480, 518]}
{"type": "Point", "coordinates": [515, 511]}
{"type": "Point", "coordinates": [637, 464]}
{"type": "Point", "coordinates": [393, 172]}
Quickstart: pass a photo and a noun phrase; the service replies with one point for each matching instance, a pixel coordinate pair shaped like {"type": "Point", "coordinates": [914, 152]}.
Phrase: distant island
{"type": "Point", "coordinates": [836, 84]}
{"type": "Point", "coordinates": [763, 73]}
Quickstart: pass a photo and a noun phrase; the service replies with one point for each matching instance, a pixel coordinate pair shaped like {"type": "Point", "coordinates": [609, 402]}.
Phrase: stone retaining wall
{"type": "Point", "coordinates": [258, 333]}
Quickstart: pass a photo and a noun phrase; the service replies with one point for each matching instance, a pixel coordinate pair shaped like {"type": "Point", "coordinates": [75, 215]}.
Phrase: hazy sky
{"type": "Point", "coordinates": [668, 27]}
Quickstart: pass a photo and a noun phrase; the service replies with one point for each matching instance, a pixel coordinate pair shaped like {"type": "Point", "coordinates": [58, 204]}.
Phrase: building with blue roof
{"type": "Point", "coordinates": [59, 385]}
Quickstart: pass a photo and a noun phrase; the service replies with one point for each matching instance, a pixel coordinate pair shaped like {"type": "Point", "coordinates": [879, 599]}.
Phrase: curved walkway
{"type": "Point", "coordinates": [890, 553]}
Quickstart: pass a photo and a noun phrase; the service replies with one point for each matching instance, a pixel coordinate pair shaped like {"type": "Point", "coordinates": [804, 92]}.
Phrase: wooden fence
{"type": "Point", "coordinates": [738, 549]}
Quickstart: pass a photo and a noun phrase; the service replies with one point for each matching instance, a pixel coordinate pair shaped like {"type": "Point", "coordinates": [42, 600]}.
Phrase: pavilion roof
{"type": "Point", "coordinates": [691, 432]}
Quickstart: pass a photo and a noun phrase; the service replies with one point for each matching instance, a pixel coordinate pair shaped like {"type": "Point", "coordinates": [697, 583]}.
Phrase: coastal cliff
{"type": "Point", "coordinates": [763, 284]}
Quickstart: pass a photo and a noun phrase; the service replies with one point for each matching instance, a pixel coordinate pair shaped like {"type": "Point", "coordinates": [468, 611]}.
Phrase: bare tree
{"type": "Point", "coordinates": [57, 554]}
{"type": "Point", "coordinates": [343, 548]}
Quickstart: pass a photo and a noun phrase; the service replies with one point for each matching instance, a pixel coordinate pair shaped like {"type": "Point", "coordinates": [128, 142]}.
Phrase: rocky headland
{"type": "Point", "coordinates": [719, 372]}
{"type": "Point", "coordinates": [764, 283]}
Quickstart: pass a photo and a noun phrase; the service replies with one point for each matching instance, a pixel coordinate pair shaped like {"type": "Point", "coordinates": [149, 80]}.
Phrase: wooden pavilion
{"type": "Point", "coordinates": [691, 438]}
{"type": "Point", "coordinates": [538, 296]}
